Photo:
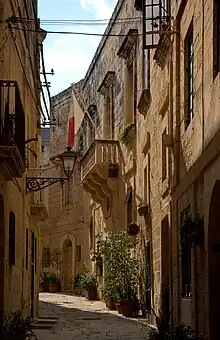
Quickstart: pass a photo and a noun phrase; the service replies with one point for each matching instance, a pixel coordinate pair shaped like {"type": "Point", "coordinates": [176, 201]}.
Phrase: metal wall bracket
{"type": "Point", "coordinates": [39, 183]}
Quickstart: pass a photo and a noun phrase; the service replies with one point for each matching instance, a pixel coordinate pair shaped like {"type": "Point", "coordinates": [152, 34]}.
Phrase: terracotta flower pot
{"type": "Point", "coordinates": [45, 287]}
{"type": "Point", "coordinates": [130, 308]}
{"type": "Point", "coordinates": [119, 307]}
{"type": "Point", "coordinates": [53, 287]}
{"type": "Point", "coordinates": [111, 304]}
{"type": "Point", "coordinates": [91, 294]}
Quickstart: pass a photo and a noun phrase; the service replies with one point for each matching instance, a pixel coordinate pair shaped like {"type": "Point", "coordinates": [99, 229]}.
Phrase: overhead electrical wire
{"type": "Point", "coordinates": [23, 68]}
{"type": "Point", "coordinates": [79, 20]}
{"type": "Point", "coordinates": [76, 33]}
{"type": "Point", "coordinates": [46, 82]}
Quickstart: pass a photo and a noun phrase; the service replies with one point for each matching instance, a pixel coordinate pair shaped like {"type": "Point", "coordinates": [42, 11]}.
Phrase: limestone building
{"type": "Point", "coordinates": [150, 150]}
{"type": "Point", "coordinates": [20, 151]}
{"type": "Point", "coordinates": [66, 232]}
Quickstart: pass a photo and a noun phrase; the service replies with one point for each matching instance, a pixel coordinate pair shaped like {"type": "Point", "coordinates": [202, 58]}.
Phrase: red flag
{"type": "Point", "coordinates": [71, 134]}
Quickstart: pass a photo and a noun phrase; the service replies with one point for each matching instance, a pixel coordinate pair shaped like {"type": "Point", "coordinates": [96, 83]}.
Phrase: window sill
{"type": "Point", "coordinates": [144, 102]}
{"type": "Point", "coordinates": [162, 49]}
{"type": "Point", "coordinates": [164, 187]}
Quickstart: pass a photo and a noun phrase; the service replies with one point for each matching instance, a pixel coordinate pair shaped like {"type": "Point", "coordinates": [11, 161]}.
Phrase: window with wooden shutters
{"type": "Point", "coordinates": [26, 249]}
{"type": "Point", "coordinates": [189, 76]}
{"type": "Point", "coordinates": [148, 276]}
{"type": "Point", "coordinates": [129, 203]}
{"type": "Point", "coordinates": [11, 238]}
{"type": "Point", "coordinates": [35, 254]}
{"type": "Point", "coordinates": [185, 254]}
{"type": "Point", "coordinates": [78, 253]}
{"type": "Point", "coordinates": [216, 38]}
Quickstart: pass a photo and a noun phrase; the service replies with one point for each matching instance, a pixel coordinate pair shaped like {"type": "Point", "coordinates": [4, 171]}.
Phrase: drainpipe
{"type": "Point", "coordinates": [170, 132]}
{"type": "Point", "coordinates": [177, 143]}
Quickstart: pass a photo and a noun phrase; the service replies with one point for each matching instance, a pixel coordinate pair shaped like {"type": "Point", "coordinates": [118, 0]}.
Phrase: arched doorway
{"type": "Point", "coordinates": [2, 256]}
{"type": "Point", "coordinates": [214, 263]}
{"type": "Point", "coordinates": [67, 267]}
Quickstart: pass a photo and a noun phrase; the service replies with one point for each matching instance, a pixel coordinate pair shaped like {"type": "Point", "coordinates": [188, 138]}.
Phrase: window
{"type": "Point", "coordinates": [147, 68]}
{"type": "Point", "coordinates": [148, 276]}
{"type": "Point", "coordinates": [46, 257]}
{"type": "Point", "coordinates": [164, 156]}
{"type": "Point", "coordinates": [91, 234]}
{"type": "Point", "coordinates": [11, 238]}
{"type": "Point", "coordinates": [27, 252]}
{"type": "Point", "coordinates": [68, 188]}
{"type": "Point", "coordinates": [129, 203]}
{"type": "Point", "coordinates": [185, 254]}
{"type": "Point", "coordinates": [189, 76]}
{"type": "Point", "coordinates": [216, 38]}
{"type": "Point", "coordinates": [35, 254]}
{"type": "Point", "coordinates": [78, 253]}
{"type": "Point", "coordinates": [145, 185]}
{"type": "Point", "coordinates": [129, 92]}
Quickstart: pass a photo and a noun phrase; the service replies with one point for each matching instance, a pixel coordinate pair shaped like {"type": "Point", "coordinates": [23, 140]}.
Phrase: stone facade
{"type": "Point", "coordinates": [67, 229]}
{"type": "Point", "coordinates": [19, 246]}
{"type": "Point", "coordinates": [171, 161]}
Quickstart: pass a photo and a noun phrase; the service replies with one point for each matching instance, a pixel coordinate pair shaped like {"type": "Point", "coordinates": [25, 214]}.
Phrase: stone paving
{"type": "Point", "coordinates": [80, 319]}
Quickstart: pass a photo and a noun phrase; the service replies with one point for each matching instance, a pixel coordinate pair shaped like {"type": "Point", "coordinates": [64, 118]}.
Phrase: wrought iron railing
{"type": "Point", "coordinates": [12, 117]}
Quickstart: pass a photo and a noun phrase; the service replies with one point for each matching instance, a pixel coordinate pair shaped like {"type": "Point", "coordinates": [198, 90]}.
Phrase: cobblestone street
{"type": "Point", "coordinates": [80, 319]}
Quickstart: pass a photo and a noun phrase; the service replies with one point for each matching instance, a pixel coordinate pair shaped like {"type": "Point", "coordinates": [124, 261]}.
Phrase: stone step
{"type": "Point", "coordinates": [45, 323]}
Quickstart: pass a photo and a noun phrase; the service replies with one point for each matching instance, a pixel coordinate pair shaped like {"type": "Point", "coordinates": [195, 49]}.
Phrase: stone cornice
{"type": "Point", "coordinates": [128, 43]}
{"type": "Point", "coordinates": [107, 82]}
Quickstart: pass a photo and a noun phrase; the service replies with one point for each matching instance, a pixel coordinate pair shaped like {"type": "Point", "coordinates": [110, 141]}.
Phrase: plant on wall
{"type": "Point", "coordinates": [126, 133]}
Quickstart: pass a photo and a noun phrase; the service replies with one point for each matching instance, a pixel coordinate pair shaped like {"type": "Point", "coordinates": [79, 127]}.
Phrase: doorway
{"type": "Point", "coordinates": [2, 256]}
{"type": "Point", "coordinates": [67, 256]}
{"type": "Point", "coordinates": [214, 263]}
{"type": "Point", "coordinates": [165, 268]}
{"type": "Point", "coordinates": [32, 273]}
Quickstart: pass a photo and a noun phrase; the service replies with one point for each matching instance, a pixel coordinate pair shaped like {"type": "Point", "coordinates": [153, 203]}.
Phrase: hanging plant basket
{"type": "Point", "coordinates": [142, 209]}
{"type": "Point", "coordinates": [133, 229]}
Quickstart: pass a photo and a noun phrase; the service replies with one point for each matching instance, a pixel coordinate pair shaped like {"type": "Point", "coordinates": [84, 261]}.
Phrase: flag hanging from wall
{"type": "Point", "coordinates": [71, 133]}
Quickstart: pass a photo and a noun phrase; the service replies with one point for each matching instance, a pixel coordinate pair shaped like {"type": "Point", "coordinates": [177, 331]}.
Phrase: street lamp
{"type": "Point", "coordinates": [68, 159]}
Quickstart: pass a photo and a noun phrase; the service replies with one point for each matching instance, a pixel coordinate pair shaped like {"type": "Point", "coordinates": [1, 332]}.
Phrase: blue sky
{"type": "Point", "coordinates": [70, 55]}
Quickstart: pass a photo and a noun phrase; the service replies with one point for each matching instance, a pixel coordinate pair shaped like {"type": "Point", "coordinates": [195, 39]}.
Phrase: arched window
{"type": "Point", "coordinates": [11, 238]}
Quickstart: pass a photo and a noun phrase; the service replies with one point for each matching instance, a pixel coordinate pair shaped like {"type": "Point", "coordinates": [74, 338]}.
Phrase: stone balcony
{"type": "Point", "coordinates": [100, 169]}
{"type": "Point", "coordinates": [38, 207]}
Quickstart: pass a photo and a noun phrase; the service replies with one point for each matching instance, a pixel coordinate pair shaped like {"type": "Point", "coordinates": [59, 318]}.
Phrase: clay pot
{"type": "Point", "coordinates": [91, 294]}
{"type": "Point", "coordinates": [119, 307]}
{"type": "Point", "coordinates": [111, 304]}
{"type": "Point", "coordinates": [130, 308]}
{"type": "Point", "coordinates": [53, 287]}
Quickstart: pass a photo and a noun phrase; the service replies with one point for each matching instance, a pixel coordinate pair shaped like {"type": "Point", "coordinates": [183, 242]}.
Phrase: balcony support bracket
{"type": "Point", "coordinates": [39, 183]}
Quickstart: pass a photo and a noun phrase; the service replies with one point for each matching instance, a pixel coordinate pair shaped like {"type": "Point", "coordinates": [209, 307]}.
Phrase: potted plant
{"type": "Point", "coordinates": [142, 209]}
{"type": "Point", "coordinates": [133, 229]}
{"type": "Point", "coordinates": [44, 283]}
{"type": "Point", "coordinates": [17, 327]}
{"type": "Point", "coordinates": [88, 283]}
{"type": "Point", "coordinates": [122, 268]}
{"type": "Point", "coordinates": [54, 283]}
{"type": "Point", "coordinates": [109, 293]}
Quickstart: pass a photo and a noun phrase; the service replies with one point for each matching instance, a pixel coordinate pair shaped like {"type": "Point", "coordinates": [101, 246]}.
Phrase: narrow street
{"type": "Point", "coordinates": [80, 319]}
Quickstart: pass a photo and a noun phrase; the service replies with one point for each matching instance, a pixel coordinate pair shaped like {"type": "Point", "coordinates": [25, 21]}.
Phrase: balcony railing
{"type": "Point", "coordinates": [100, 168]}
{"type": "Point", "coordinates": [12, 131]}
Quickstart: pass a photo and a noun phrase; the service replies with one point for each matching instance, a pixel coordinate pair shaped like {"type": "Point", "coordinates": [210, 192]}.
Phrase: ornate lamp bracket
{"type": "Point", "coordinates": [39, 183]}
